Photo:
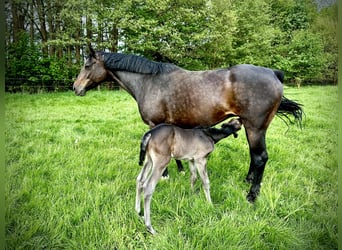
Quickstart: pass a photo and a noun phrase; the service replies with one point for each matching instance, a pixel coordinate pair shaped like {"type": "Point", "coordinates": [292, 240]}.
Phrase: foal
{"type": "Point", "coordinates": [164, 142]}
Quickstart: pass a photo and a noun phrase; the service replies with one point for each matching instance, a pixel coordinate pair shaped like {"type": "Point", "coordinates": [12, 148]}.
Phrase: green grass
{"type": "Point", "coordinates": [71, 165]}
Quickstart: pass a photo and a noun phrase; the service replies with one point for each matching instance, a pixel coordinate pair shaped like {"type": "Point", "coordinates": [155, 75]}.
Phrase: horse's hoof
{"type": "Point", "coordinates": [251, 197]}
{"type": "Point", "coordinates": [182, 172]}
{"type": "Point", "coordinates": [165, 177]}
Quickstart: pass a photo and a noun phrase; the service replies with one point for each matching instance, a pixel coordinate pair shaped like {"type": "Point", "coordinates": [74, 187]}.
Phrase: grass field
{"type": "Point", "coordinates": [71, 165]}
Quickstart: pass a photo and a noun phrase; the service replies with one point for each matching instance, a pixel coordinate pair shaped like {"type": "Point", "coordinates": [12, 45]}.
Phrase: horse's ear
{"type": "Point", "coordinates": [91, 52]}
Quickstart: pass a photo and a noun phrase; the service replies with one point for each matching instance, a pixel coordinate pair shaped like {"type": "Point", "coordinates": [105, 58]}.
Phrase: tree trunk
{"type": "Point", "coordinates": [18, 15]}
{"type": "Point", "coordinates": [89, 29]}
{"type": "Point", "coordinates": [77, 46]}
{"type": "Point", "coordinates": [42, 21]}
{"type": "Point", "coordinates": [114, 38]}
{"type": "Point", "coordinates": [52, 22]}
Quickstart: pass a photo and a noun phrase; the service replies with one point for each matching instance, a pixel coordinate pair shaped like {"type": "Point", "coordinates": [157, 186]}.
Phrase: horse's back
{"type": "Point", "coordinates": [252, 74]}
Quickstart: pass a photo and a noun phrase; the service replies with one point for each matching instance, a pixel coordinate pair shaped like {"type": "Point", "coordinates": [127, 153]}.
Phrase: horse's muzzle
{"type": "Point", "coordinates": [79, 91]}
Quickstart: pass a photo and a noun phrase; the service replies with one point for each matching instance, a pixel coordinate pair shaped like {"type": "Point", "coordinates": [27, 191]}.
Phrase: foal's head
{"type": "Point", "coordinates": [92, 74]}
{"type": "Point", "coordinates": [234, 125]}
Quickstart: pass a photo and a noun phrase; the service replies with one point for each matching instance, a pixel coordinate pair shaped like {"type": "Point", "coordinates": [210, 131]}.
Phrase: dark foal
{"type": "Point", "coordinates": [164, 142]}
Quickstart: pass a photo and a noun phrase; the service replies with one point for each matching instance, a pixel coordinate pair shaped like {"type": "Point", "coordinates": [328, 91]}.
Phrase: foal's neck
{"type": "Point", "coordinates": [218, 134]}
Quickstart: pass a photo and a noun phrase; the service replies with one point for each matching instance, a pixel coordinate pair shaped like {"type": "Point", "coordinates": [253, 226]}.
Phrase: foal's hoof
{"type": "Point", "coordinates": [182, 172]}
{"type": "Point", "coordinates": [151, 230]}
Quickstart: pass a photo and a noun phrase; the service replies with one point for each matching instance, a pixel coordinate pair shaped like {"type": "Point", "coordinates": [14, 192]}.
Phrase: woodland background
{"type": "Point", "coordinates": [46, 40]}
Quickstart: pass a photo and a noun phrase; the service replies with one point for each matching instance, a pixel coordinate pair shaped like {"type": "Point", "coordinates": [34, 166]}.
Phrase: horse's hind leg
{"type": "Point", "coordinates": [259, 157]}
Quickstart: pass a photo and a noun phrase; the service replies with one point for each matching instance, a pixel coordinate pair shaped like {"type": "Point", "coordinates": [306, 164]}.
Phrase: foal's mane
{"type": "Point", "coordinates": [135, 64]}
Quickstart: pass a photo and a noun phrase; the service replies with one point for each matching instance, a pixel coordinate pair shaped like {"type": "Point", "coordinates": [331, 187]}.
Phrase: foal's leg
{"type": "Point", "coordinates": [179, 166]}
{"type": "Point", "coordinates": [159, 167]}
{"type": "Point", "coordinates": [202, 170]}
{"type": "Point", "coordinates": [259, 157]}
{"type": "Point", "coordinates": [193, 174]}
{"type": "Point", "coordinates": [141, 179]}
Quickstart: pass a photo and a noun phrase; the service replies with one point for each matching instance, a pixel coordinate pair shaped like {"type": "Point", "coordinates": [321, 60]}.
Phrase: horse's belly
{"type": "Point", "coordinates": [199, 118]}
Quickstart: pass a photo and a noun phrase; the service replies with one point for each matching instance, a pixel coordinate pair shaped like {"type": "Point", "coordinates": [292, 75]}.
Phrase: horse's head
{"type": "Point", "coordinates": [92, 74]}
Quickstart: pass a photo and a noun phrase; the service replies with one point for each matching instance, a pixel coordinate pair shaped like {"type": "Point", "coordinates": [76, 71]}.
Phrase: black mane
{"type": "Point", "coordinates": [135, 64]}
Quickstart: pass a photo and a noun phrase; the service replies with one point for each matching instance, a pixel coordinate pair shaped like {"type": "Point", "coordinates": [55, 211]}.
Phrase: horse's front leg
{"type": "Point", "coordinates": [165, 174]}
{"type": "Point", "coordinates": [180, 166]}
{"type": "Point", "coordinates": [180, 169]}
{"type": "Point", "coordinates": [250, 175]}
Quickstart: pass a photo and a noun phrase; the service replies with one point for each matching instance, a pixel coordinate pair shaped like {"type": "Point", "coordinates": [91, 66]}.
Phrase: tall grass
{"type": "Point", "coordinates": [71, 164]}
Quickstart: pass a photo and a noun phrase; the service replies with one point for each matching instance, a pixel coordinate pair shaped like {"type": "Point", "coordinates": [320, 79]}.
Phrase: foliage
{"type": "Point", "coordinates": [71, 171]}
{"type": "Point", "coordinates": [326, 25]}
{"type": "Point", "coordinates": [300, 65]}
{"type": "Point", "coordinates": [292, 35]}
{"type": "Point", "coordinates": [26, 61]}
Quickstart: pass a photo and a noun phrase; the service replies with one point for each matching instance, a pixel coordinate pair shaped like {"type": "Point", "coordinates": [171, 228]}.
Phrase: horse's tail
{"type": "Point", "coordinates": [279, 74]}
{"type": "Point", "coordinates": [143, 146]}
{"type": "Point", "coordinates": [288, 107]}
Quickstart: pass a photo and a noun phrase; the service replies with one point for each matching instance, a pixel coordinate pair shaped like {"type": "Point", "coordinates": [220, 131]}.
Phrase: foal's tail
{"type": "Point", "coordinates": [288, 107]}
{"type": "Point", "coordinates": [143, 146]}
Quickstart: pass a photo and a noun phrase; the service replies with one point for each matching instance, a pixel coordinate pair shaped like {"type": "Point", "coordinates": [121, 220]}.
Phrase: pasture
{"type": "Point", "coordinates": [72, 163]}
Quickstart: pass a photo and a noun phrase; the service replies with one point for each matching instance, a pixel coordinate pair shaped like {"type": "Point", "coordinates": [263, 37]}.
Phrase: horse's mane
{"type": "Point", "coordinates": [135, 64]}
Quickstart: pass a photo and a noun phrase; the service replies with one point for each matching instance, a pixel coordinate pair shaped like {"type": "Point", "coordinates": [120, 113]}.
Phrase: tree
{"type": "Point", "coordinates": [325, 24]}
{"type": "Point", "coordinates": [255, 35]}
{"type": "Point", "coordinates": [292, 35]}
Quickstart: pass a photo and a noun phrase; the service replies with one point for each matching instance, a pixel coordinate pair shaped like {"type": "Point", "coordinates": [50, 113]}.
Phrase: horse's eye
{"type": "Point", "coordinates": [88, 65]}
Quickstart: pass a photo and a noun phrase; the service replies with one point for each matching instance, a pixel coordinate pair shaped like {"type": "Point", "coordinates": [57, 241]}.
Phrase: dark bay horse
{"type": "Point", "coordinates": [166, 93]}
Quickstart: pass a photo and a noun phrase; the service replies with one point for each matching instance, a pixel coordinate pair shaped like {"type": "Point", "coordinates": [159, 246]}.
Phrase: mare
{"type": "Point", "coordinates": [166, 93]}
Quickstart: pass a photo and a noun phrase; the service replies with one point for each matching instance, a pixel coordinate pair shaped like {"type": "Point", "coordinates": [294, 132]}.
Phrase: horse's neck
{"type": "Point", "coordinates": [131, 82]}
